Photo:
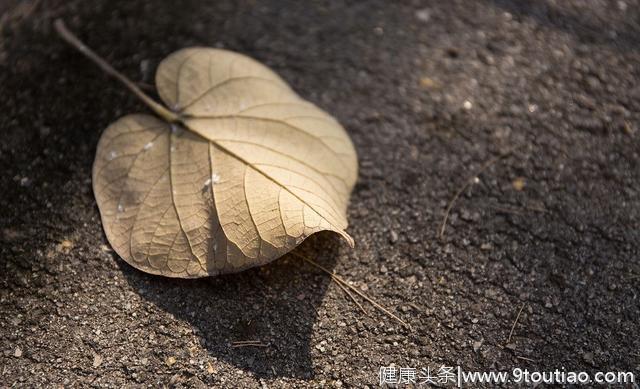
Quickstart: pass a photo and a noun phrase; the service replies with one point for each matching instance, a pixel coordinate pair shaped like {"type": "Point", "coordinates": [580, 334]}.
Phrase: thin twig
{"type": "Point", "coordinates": [73, 40]}
{"type": "Point", "coordinates": [248, 343]}
{"type": "Point", "coordinates": [525, 358]}
{"type": "Point", "coordinates": [467, 183]}
{"type": "Point", "coordinates": [145, 86]}
{"type": "Point", "coordinates": [337, 279]}
{"type": "Point", "coordinates": [513, 327]}
{"type": "Point", "coordinates": [352, 298]}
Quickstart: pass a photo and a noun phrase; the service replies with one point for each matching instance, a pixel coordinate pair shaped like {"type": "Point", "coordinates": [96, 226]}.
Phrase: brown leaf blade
{"type": "Point", "coordinates": [248, 174]}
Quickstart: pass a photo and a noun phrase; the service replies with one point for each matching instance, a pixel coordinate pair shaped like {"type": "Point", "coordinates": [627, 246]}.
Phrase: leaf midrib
{"type": "Point", "coordinates": [275, 181]}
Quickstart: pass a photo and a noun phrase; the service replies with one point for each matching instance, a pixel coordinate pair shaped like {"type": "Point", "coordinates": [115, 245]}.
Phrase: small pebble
{"type": "Point", "coordinates": [145, 69]}
{"type": "Point", "coordinates": [588, 357]}
{"type": "Point", "coordinates": [65, 246]}
{"type": "Point", "coordinates": [170, 361]}
{"type": "Point", "coordinates": [486, 246]}
{"type": "Point", "coordinates": [423, 15]}
{"type": "Point", "coordinates": [427, 82]}
{"type": "Point", "coordinates": [518, 184]}
{"type": "Point", "coordinates": [97, 360]}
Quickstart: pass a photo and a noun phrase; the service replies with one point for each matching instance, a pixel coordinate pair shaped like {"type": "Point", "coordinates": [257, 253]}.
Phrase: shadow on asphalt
{"type": "Point", "coordinates": [275, 304]}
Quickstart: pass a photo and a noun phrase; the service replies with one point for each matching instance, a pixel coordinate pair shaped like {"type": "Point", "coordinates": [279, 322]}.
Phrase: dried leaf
{"type": "Point", "coordinates": [245, 172]}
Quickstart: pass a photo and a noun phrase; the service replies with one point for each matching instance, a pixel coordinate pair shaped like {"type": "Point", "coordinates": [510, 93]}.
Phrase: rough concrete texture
{"type": "Point", "coordinates": [429, 91]}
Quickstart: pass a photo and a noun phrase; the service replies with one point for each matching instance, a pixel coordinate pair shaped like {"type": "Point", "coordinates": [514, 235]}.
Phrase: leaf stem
{"type": "Point", "coordinates": [73, 40]}
{"type": "Point", "coordinates": [468, 183]}
{"type": "Point", "coordinates": [344, 283]}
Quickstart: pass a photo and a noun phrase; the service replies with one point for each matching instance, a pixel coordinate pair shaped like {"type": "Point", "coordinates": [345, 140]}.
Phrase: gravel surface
{"type": "Point", "coordinates": [429, 91]}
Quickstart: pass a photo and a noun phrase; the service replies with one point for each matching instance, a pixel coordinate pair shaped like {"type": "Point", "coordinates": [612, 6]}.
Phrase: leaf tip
{"type": "Point", "coordinates": [348, 238]}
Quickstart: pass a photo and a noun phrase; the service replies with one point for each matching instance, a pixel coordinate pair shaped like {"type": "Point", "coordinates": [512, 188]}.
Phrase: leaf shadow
{"type": "Point", "coordinates": [276, 304]}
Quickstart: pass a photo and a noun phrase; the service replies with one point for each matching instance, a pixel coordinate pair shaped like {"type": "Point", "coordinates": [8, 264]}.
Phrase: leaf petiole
{"type": "Point", "coordinates": [73, 40]}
